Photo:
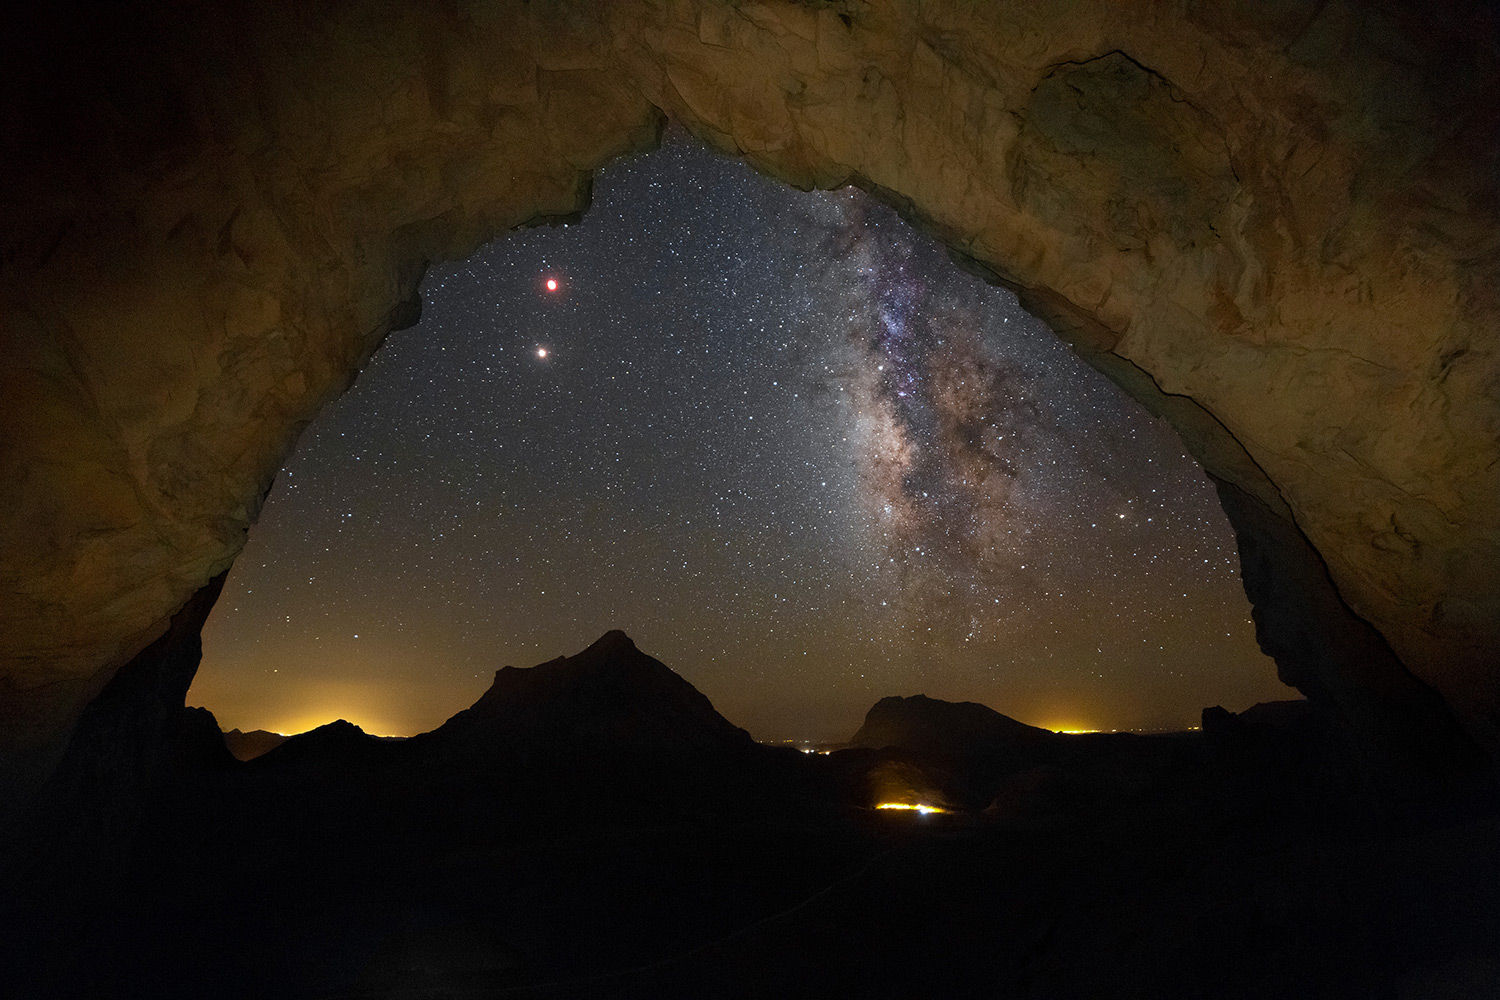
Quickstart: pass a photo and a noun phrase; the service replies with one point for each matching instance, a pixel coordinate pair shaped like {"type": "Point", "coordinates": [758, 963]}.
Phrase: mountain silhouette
{"type": "Point", "coordinates": [610, 695]}
{"type": "Point", "coordinates": [251, 744]}
{"type": "Point", "coordinates": [932, 725]}
{"type": "Point", "coordinates": [334, 748]}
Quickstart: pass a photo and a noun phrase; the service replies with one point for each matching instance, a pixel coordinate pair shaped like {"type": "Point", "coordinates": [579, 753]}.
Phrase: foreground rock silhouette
{"type": "Point", "coordinates": [592, 827]}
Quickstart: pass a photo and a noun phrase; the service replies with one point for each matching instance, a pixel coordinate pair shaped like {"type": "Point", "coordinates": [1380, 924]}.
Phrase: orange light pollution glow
{"type": "Point", "coordinates": [493, 541]}
{"type": "Point", "coordinates": [923, 809]}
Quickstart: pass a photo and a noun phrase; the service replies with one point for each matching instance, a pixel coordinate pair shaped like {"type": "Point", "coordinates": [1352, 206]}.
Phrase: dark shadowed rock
{"type": "Point", "coordinates": [248, 746]}
{"type": "Point", "coordinates": [1217, 720]}
{"type": "Point", "coordinates": [609, 695]}
{"type": "Point", "coordinates": [470, 954]}
{"type": "Point", "coordinates": [1281, 714]}
{"type": "Point", "coordinates": [1293, 713]}
{"type": "Point", "coordinates": [929, 724]}
{"type": "Point", "coordinates": [134, 738]}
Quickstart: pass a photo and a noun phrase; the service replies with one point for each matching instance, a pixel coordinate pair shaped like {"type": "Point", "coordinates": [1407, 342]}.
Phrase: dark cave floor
{"type": "Point", "coordinates": [1234, 865]}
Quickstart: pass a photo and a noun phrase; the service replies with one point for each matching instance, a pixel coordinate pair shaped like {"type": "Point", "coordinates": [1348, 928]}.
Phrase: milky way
{"type": "Point", "coordinates": [777, 437]}
{"type": "Point", "coordinates": [941, 420]}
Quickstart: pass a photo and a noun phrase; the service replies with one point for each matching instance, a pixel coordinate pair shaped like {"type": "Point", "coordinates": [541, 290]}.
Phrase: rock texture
{"type": "Point", "coordinates": [1274, 224]}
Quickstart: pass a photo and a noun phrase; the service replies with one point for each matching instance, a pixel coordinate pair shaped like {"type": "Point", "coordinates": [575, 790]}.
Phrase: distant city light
{"type": "Point", "coordinates": [923, 809]}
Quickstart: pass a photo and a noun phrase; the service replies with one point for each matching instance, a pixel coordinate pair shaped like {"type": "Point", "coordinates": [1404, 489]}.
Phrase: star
{"type": "Point", "coordinates": [808, 465]}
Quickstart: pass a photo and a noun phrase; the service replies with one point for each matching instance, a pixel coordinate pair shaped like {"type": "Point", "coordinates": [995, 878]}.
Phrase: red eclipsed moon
{"type": "Point", "coordinates": [551, 284]}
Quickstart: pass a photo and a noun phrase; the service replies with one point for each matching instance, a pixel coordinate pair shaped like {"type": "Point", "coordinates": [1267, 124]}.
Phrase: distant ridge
{"type": "Point", "coordinates": [933, 725]}
{"type": "Point", "coordinates": [250, 745]}
{"type": "Point", "coordinates": [609, 695]}
{"type": "Point", "coordinates": [337, 746]}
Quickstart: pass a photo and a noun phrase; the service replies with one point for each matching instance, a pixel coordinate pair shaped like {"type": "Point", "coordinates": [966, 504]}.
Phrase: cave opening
{"type": "Point", "coordinates": [776, 436]}
{"type": "Point", "coordinates": [1274, 227]}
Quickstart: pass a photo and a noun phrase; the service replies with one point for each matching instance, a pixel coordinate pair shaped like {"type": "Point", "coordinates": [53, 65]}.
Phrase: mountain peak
{"type": "Point", "coordinates": [609, 694]}
{"type": "Point", "coordinates": [612, 641]}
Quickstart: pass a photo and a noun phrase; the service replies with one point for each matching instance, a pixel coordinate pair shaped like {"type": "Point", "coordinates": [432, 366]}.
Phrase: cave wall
{"type": "Point", "coordinates": [1276, 223]}
{"type": "Point", "coordinates": [215, 220]}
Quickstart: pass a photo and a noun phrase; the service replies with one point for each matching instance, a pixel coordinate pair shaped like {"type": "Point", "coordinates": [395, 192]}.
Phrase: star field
{"type": "Point", "coordinates": [775, 436]}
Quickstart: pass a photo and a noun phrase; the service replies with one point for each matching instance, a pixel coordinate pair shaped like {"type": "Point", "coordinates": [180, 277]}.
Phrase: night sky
{"type": "Point", "coordinates": [779, 439]}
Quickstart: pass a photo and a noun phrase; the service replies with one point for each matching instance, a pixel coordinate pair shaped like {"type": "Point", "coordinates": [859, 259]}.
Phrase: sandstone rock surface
{"type": "Point", "coordinates": [1276, 224]}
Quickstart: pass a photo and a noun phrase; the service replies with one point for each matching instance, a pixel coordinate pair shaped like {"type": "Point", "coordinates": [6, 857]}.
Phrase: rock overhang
{"type": "Point", "coordinates": [1277, 229]}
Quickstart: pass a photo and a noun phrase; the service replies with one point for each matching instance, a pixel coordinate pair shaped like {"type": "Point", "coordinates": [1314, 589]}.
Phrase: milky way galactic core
{"type": "Point", "coordinates": [777, 437]}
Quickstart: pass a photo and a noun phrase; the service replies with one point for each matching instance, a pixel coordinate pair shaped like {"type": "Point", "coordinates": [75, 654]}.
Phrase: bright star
{"type": "Point", "coordinates": [551, 284]}
{"type": "Point", "coordinates": [541, 352]}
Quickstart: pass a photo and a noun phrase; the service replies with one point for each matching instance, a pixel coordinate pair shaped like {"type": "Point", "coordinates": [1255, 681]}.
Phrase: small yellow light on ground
{"type": "Point", "coordinates": [923, 809]}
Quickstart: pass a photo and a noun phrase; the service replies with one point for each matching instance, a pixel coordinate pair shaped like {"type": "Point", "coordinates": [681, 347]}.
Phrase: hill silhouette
{"type": "Point", "coordinates": [604, 736]}
{"type": "Point", "coordinates": [934, 726]}
{"type": "Point", "coordinates": [250, 745]}
{"type": "Point", "coordinates": [610, 695]}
